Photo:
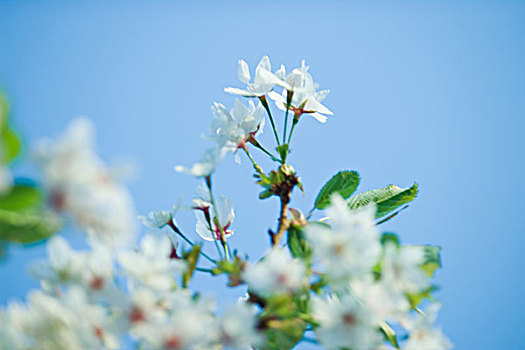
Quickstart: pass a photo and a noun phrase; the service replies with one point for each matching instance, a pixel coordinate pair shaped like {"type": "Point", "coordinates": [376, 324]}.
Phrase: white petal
{"type": "Point", "coordinates": [244, 72]}
{"type": "Point", "coordinates": [264, 63]}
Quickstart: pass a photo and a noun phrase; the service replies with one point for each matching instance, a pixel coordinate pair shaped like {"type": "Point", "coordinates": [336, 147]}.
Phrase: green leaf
{"type": "Point", "coordinates": [284, 334]}
{"type": "Point", "coordinates": [388, 237]}
{"type": "Point", "coordinates": [21, 197]}
{"type": "Point", "coordinates": [416, 298]}
{"type": "Point", "coordinates": [432, 259]}
{"type": "Point", "coordinates": [27, 227]}
{"type": "Point", "coordinates": [344, 182]}
{"type": "Point", "coordinates": [298, 245]}
{"type": "Point", "coordinates": [191, 258]}
{"type": "Point", "coordinates": [10, 141]}
{"type": "Point", "coordinates": [389, 333]}
{"type": "Point", "coordinates": [282, 150]}
{"type": "Point", "coordinates": [387, 199]}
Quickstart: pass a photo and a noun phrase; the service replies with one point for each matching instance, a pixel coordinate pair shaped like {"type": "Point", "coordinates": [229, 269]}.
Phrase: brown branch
{"type": "Point", "coordinates": [283, 220]}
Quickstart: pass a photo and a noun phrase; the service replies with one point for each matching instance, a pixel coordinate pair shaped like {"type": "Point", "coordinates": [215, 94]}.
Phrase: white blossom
{"type": "Point", "coordinates": [401, 268]}
{"type": "Point", "coordinates": [423, 335]}
{"type": "Point", "coordinates": [383, 302]}
{"type": "Point", "coordinates": [80, 184]}
{"type": "Point", "coordinates": [187, 327]}
{"type": "Point", "coordinates": [344, 323]}
{"type": "Point", "coordinates": [62, 266]}
{"type": "Point", "coordinates": [62, 322]}
{"type": "Point", "coordinates": [237, 328]}
{"type": "Point", "coordinates": [156, 219]}
{"type": "Point", "coordinates": [306, 98]}
{"type": "Point", "coordinates": [151, 264]}
{"type": "Point", "coordinates": [264, 80]}
{"type": "Point", "coordinates": [221, 217]}
{"type": "Point", "coordinates": [350, 246]}
{"type": "Point", "coordinates": [276, 273]}
{"type": "Point", "coordinates": [202, 198]}
{"type": "Point", "coordinates": [233, 128]}
{"type": "Point", "coordinates": [206, 166]}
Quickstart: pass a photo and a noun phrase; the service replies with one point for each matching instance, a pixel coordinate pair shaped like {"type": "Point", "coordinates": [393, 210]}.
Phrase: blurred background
{"type": "Point", "coordinates": [431, 92]}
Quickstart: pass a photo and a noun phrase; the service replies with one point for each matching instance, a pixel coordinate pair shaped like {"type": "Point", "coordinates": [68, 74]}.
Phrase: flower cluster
{"type": "Point", "coordinates": [335, 280]}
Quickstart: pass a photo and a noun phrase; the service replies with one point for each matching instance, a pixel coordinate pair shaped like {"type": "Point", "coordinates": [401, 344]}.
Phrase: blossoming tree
{"type": "Point", "coordinates": [335, 280]}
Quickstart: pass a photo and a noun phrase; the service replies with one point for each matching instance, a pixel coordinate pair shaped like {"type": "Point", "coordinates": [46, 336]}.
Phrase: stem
{"type": "Point", "coordinates": [177, 231]}
{"type": "Point", "coordinates": [264, 102]}
{"type": "Point", "coordinates": [255, 165]}
{"type": "Point", "coordinates": [291, 131]}
{"type": "Point", "coordinates": [216, 212]}
{"type": "Point", "coordinates": [204, 270]}
{"type": "Point", "coordinates": [259, 146]}
{"type": "Point", "coordinates": [289, 95]}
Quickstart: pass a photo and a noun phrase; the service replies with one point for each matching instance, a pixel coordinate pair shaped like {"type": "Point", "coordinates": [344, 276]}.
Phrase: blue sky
{"type": "Point", "coordinates": [422, 91]}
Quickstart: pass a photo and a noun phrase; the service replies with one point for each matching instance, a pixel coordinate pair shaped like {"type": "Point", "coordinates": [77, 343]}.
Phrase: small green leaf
{"type": "Point", "coordinates": [298, 245]}
{"type": "Point", "coordinates": [388, 237]}
{"type": "Point", "coordinates": [27, 227]}
{"type": "Point", "coordinates": [416, 298]}
{"type": "Point", "coordinates": [387, 199]}
{"type": "Point", "coordinates": [344, 182]}
{"type": "Point", "coordinates": [282, 150]}
{"type": "Point", "coordinates": [21, 197]}
{"type": "Point", "coordinates": [432, 259]}
{"type": "Point", "coordinates": [389, 333]}
{"type": "Point", "coordinates": [191, 258]}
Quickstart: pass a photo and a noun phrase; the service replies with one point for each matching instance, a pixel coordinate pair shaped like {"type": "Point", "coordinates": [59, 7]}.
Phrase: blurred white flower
{"type": "Point", "coordinates": [350, 246]}
{"type": "Point", "coordinates": [151, 265]}
{"type": "Point", "coordinates": [306, 98]}
{"type": "Point", "coordinates": [237, 328]}
{"type": "Point", "coordinates": [276, 273]}
{"type": "Point", "coordinates": [423, 335]}
{"type": "Point", "coordinates": [344, 323]}
{"type": "Point", "coordinates": [189, 326]}
{"type": "Point", "coordinates": [65, 322]}
{"type": "Point", "coordinates": [62, 266]}
{"type": "Point", "coordinates": [219, 223]}
{"type": "Point", "coordinates": [80, 184]}
{"type": "Point", "coordinates": [383, 302]}
{"type": "Point", "coordinates": [401, 269]}
{"type": "Point", "coordinates": [156, 219]}
{"type": "Point", "coordinates": [263, 82]}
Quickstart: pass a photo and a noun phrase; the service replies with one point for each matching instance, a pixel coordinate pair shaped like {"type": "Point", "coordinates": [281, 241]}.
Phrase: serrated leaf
{"type": "Point", "coordinates": [344, 182]}
{"type": "Point", "coordinates": [387, 199]}
{"type": "Point", "coordinates": [21, 197]}
{"type": "Point", "coordinates": [27, 227]}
